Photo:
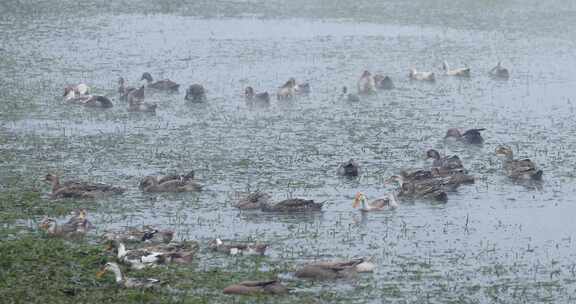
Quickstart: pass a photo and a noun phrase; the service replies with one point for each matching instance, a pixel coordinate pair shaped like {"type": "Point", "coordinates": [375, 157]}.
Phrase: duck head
{"type": "Point", "coordinates": [147, 182]}
{"type": "Point", "coordinates": [195, 93]}
{"type": "Point", "coordinates": [395, 180]}
{"type": "Point", "coordinates": [505, 152]}
{"type": "Point", "coordinates": [148, 235]}
{"type": "Point", "coordinates": [453, 133]}
{"type": "Point", "coordinates": [291, 83]}
{"type": "Point", "coordinates": [147, 76]}
{"type": "Point", "coordinates": [358, 200]}
{"type": "Point", "coordinates": [433, 154]}
{"type": "Point", "coordinates": [82, 89]}
{"type": "Point", "coordinates": [68, 91]}
{"type": "Point", "coordinates": [249, 93]}
{"type": "Point", "coordinates": [366, 74]}
{"type": "Point", "coordinates": [50, 177]}
{"type": "Point", "coordinates": [79, 214]}
{"type": "Point", "coordinates": [190, 175]}
{"type": "Point", "coordinates": [445, 66]}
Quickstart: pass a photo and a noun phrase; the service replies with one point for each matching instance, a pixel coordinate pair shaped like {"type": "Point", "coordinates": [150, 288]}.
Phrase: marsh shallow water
{"type": "Point", "coordinates": [495, 240]}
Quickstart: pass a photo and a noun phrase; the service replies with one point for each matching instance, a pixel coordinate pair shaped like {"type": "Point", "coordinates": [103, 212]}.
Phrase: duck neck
{"type": "Point", "coordinates": [363, 203]}
{"type": "Point", "coordinates": [394, 198]}
{"type": "Point", "coordinates": [117, 274]}
{"type": "Point", "coordinates": [55, 183]}
{"type": "Point", "coordinates": [70, 95]}
{"type": "Point", "coordinates": [121, 251]}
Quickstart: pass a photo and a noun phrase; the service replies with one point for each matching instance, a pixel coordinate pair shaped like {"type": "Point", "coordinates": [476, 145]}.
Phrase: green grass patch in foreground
{"type": "Point", "coordinates": [34, 269]}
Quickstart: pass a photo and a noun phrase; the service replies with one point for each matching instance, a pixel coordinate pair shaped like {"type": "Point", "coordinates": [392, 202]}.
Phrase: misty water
{"type": "Point", "coordinates": [494, 240]}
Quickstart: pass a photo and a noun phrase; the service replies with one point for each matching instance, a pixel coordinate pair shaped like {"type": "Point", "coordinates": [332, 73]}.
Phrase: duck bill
{"type": "Point", "coordinates": [100, 273]}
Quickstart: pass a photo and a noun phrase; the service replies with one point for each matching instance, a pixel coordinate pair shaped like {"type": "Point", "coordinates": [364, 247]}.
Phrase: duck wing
{"type": "Point", "coordinates": [380, 203]}
{"type": "Point", "coordinates": [293, 205]}
{"type": "Point", "coordinates": [141, 283]}
{"type": "Point", "coordinates": [452, 162]}
{"type": "Point", "coordinates": [165, 84]}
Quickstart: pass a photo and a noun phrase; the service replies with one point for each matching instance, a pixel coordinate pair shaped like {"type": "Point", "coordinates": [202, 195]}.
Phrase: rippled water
{"type": "Point", "coordinates": [493, 240]}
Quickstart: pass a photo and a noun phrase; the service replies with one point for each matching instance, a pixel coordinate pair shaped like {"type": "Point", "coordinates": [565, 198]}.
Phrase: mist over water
{"type": "Point", "coordinates": [492, 240]}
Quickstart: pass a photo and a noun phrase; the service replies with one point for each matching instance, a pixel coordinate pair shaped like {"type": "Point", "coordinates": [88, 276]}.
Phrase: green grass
{"type": "Point", "coordinates": [39, 269]}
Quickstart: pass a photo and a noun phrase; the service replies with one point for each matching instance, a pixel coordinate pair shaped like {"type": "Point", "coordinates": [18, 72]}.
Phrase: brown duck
{"type": "Point", "coordinates": [80, 189]}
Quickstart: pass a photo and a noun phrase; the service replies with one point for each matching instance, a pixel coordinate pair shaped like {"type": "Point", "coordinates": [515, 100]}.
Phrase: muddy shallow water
{"type": "Point", "coordinates": [492, 240]}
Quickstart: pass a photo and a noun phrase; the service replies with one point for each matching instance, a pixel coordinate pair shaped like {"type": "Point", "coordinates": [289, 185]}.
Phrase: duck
{"type": "Point", "coordinates": [366, 84]}
{"type": "Point", "coordinates": [76, 226]}
{"type": "Point", "coordinates": [447, 162]}
{"type": "Point", "coordinates": [287, 91]}
{"type": "Point", "coordinates": [350, 168]}
{"type": "Point", "coordinates": [127, 282]}
{"type": "Point", "coordinates": [499, 72]}
{"type": "Point", "coordinates": [93, 101]}
{"type": "Point", "coordinates": [79, 218]}
{"type": "Point", "coordinates": [170, 183]}
{"type": "Point", "coordinates": [135, 235]}
{"type": "Point", "coordinates": [293, 205]}
{"type": "Point", "coordinates": [136, 102]}
{"type": "Point", "coordinates": [79, 89]}
{"type": "Point", "coordinates": [471, 136]}
{"type": "Point", "coordinates": [430, 189]}
{"type": "Point", "coordinates": [177, 253]}
{"type": "Point", "coordinates": [334, 269]}
{"type": "Point", "coordinates": [383, 82]}
{"type": "Point", "coordinates": [250, 95]}
{"type": "Point", "coordinates": [518, 169]}
{"type": "Point", "coordinates": [137, 258]}
{"type": "Point", "coordinates": [195, 93]}
{"type": "Point", "coordinates": [273, 287]}
{"type": "Point", "coordinates": [449, 179]}
{"type": "Point", "coordinates": [123, 90]}
{"type": "Point", "coordinates": [389, 201]}
{"type": "Point", "coordinates": [459, 72]}
{"type": "Point", "coordinates": [254, 200]}
{"type": "Point", "coordinates": [238, 248]}
{"type": "Point", "coordinates": [79, 189]}
{"type": "Point", "coordinates": [423, 76]}
{"type": "Point", "coordinates": [162, 85]}
{"type": "Point", "coordinates": [351, 97]}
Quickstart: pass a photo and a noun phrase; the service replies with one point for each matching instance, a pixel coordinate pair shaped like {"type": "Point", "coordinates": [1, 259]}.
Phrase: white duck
{"type": "Point", "coordinates": [389, 201]}
{"type": "Point", "coordinates": [127, 282]}
{"type": "Point", "coordinates": [424, 76]}
{"type": "Point", "coordinates": [460, 72]}
{"type": "Point", "coordinates": [138, 258]}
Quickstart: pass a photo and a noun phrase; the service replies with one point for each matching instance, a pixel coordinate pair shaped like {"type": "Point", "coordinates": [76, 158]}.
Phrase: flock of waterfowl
{"type": "Point", "coordinates": [150, 247]}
